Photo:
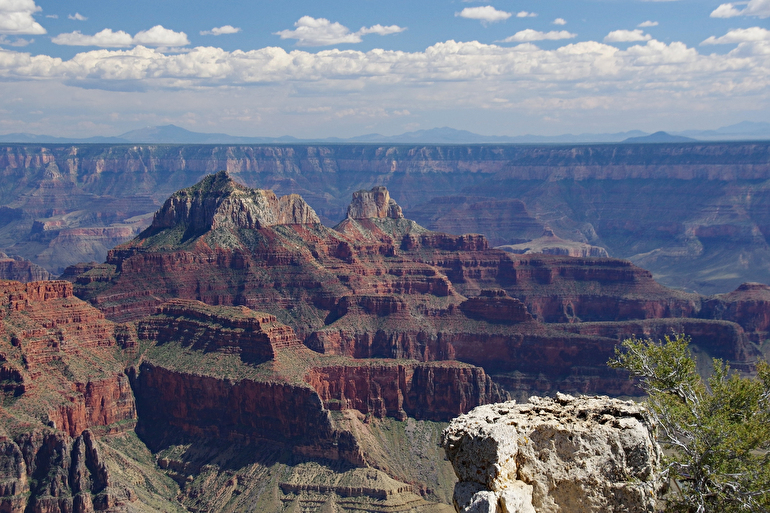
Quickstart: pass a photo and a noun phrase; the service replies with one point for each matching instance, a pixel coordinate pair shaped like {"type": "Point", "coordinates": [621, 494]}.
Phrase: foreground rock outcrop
{"type": "Point", "coordinates": [563, 455]}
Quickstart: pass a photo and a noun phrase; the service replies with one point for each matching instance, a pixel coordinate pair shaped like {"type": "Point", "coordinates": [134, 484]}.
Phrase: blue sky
{"type": "Point", "coordinates": [344, 68]}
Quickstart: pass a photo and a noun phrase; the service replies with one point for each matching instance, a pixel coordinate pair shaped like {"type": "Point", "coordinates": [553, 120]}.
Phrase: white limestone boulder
{"type": "Point", "coordinates": [562, 455]}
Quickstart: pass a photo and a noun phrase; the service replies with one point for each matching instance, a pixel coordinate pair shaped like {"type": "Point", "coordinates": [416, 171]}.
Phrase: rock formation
{"type": "Point", "coordinates": [74, 386]}
{"type": "Point", "coordinates": [687, 212]}
{"type": "Point", "coordinates": [550, 244]}
{"type": "Point", "coordinates": [566, 455]}
{"type": "Point", "coordinates": [376, 204]}
{"type": "Point", "coordinates": [255, 350]}
{"type": "Point", "coordinates": [219, 202]}
{"type": "Point", "coordinates": [63, 388]}
{"type": "Point", "coordinates": [19, 269]}
{"type": "Point", "coordinates": [384, 287]}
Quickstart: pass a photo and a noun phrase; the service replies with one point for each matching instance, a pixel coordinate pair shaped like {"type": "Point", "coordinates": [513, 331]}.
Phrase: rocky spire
{"type": "Point", "coordinates": [376, 203]}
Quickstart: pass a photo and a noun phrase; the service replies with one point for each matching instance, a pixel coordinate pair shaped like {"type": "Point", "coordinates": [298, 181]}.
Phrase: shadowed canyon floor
{"type": "Point", "coordinates": [238, 355]}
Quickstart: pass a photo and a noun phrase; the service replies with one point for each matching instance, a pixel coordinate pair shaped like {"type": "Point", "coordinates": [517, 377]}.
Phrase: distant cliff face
{"type": "Point", "coordinates": [684, 211]}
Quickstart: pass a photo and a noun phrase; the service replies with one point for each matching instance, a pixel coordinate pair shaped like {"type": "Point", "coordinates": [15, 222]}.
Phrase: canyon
{"type": "Point", "coordinates": [694, 214]}
{"type": "Point", "coordinates": [238, 354]}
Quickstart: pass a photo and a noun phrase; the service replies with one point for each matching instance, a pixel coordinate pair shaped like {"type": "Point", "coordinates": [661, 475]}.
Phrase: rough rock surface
{"type": "Point", "coordinates": [217, 201]}
{"type": "Point", "coordinates": [550, 244]}
{"type": "Point", "coordinates": [19, 269]}
{"type": "Point", "coordinates": [695, 214]}
{"type": "Point", "coordinates": [376, 203]}
{"type": "Point", "coordinates": [383, 287]}
{"type": "Point", "coordinates": [563, 455]}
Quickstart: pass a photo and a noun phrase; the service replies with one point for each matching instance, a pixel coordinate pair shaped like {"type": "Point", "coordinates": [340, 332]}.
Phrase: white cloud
{"type": "Point", "coordinates": [526, 14]}
{"type": "Point", "coordinates": [380, 30]}
{"type": "Point", "coordinates": [77, 16]}
{"type": "Point", "coordinates": [218, 31]}
{"type": "Point", "coordinates": [156, 36]}
{"type": "Point", "coordinates": [758, 8]}
{"type": "Point", "coordinates": [559, 21]}
{"type": "Point", "coordinates": [529, 35]}
{"type": "Point", "coordinates": [16, 17]}
{"type": "Point", "coordinates": [648, 23]}
{"type": "Point", "coordinates": [485, 14]}
{"type": "Point", "coordinates": [104, 39]}
{"type": "Point", "coordinates": [311, 31]}
{"type": "Point", "coordinates": [582, 75]}
{"type": "Point", "coordinates": [748, 35]}
{"type": "Point", "coordinates": [52, 16]}
{"type": "Point", "coordinates": [160, 36]}
{"type": "Point", "coordinates": [626, 36]}
{"type": "Point", "coordinates": [725, 11]}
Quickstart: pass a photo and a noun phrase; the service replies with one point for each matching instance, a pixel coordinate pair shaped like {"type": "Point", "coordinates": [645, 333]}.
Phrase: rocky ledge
{"type": "Point", "coordinates": [568, 454]}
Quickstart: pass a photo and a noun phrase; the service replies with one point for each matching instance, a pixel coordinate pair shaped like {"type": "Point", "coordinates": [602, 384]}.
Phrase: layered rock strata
{"type": "Point", "coordinates": [19, 269]}
{"type": "Point", "coordinates": [381, 286]}
{"type": "Point", "coordinates": [567, 454]}
{"type": "Point", "coordinates": [62, 386]}
{"type": "Point", "coordinates": [694, 214]}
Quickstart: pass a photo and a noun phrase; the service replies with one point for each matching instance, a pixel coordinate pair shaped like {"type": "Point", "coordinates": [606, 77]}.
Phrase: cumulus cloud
{"type": "Point", "coordinates": [559, 21]}
{"type": "Point", "coordinates": [526, 14]}
{"type": "Point", "coordinates": [16, 17]}
{"type": "Point", "coordinates": [577, 76]}
{"type": "Point", "coordinates": [160, 36]}
{"type": "Point", "coordinates": [104, 39]}
{"type": "Point", "coordinates": [748, 35]}
{"type": "Point", "coordinates": [648, 23]}
{"type": "Point", "coordinates": [218, 31]}
{"type": "Point", "coordinates": [529, 35]}
{"type": "Point", "coordinates": [77, 16]}
{"type": "Point", "coordinates": [626, 36]}
{"type": "Point", "coordinates": [758, 8]}
{"type": "Point", "coordinates": [588, 62]}
{"type": "Point", "coordinates": [485, 14]}
{"type": "Point", "coordinates": [156, 36]}
{"type": "Point", "coordinates": [311, 31]}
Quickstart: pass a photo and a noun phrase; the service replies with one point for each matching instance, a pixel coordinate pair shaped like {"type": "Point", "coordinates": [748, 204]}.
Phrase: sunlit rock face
{"type": "Point", "coordinates": [568, 454]}
{"type": "Point", "coordinates": [375, 203]}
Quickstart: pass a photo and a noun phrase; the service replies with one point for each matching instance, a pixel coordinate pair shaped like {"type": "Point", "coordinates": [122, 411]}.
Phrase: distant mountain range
{"type": "Point", "coordinates": [172, 134]}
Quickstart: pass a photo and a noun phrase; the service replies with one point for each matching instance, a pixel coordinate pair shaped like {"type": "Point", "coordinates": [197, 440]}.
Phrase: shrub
{"type": "Point", "coordinates": [716, 432]}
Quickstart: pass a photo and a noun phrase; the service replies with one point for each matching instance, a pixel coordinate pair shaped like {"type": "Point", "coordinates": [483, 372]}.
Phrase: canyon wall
{"type": "Point", "coordinates": [695, 214]}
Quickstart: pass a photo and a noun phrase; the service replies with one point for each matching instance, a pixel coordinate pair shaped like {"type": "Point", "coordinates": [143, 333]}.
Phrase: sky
{"type": "Point", "coordinates": [341, 68]}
